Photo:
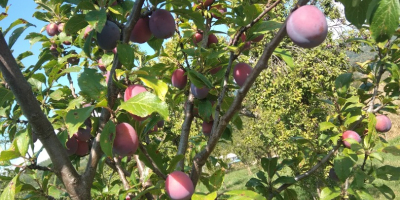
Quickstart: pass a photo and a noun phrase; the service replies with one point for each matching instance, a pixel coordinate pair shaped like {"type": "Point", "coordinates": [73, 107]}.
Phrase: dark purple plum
{"type": "Point", "coordinates": [212, 39]}
{"type": "Point", "coordinates": [162, 24]}
{"type": "Point", "coordinates": [108, 37]}
{"type": "Point", "coordinates": [141, 32]}
{"type": "Point", "coordinates": [240, 73]}
{"type": "Point", "coordinates": [52, 29]}
{"type": "Point", "coordinates": [207, 127]}
{"type": "Point", "coordinates": [83, 148]}
{"type": "Point", "coordinates": [71, 145]}
{"type": "Point", "coordinates": [179, 79]}
{"type": "Point", "coordinates": [199, 93]}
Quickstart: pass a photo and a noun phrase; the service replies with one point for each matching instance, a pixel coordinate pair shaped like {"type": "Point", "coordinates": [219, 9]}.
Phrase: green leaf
{"type": "Point", "coordinates": [217, 178]}
{"type": "Point", "coordinates": [205, 109]}
{"type": "Point", "coordinates": [10, 153]}
{"type": "Point", "coordinates": [15, 35]}
{"type": "Point", "coordinates": [159, 86]}
{"type": "Point", "coordinates": [286, 56]}
{"type": "Point", "coordinates": [343, 166]}
{"type": "Point", "coordinates": [106, 142]}
{"type": "Point", "coordinates": [5, 95]}
{"type": "Point", "coordinates": [97, 19]}
{"type": "Point", "coordinates": [342, 83]}
{"type": "Point", "coordinates": [144, 104]}
{"type": "Point", "coordinates": [197, 18]}
{"type": "Point", "coordinates": [75, 118]}
{"type": "Point", "coordinates": [330, 193]}
{"type": "Point", "coordinates": [15, 23]}
{"type": "Point", "coordinates": [284, 180]}
{"type": "Point", "coordinates": [198, 79]}
{"type": "Point", "coordinates": [264, 27]}
{"type": "Point", "coordinates": [87, 46]}
{"type": "Point", "coordinates": [126, 54]}
{"type": "Point", "coordinates": [355, 14]}
{"type": "Point", "coordinates": [174, 161]}
{"type": "Point", "coordinates": [383, 17]}
{"type": "Point", "coordinates": [36, 37]}
{"type": "Point", "coordinates": [75, 23]}
{"type": "Point", "coordinates": [23, 140]}
{"type": "Point", "coordinates": [3, 3]}
{"type": "Point", "coordinates": [269, 165]}
{"type": "Point", "coordinates": [89, 82]}
{"type": "Point", "coordinates": [156, 44]}
{"type": "Point", "coordinates": [244, 194]}
{"type": "Point", "coordinates": [325, 126]}
{"type": "Point", "coordinates": [11, 189]}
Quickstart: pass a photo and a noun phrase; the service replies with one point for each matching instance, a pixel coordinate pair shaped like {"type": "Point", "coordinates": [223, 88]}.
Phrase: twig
{"type": "Point", "coordinates": [121, 173]}
{"type": "Point", "coordinates": [71, 85]}
{"type": "Point", "coordinates": [181, 44]}
{"type": "Point", "coordinates": [309, 172]}
{"type": "Point", "coordinates": [35, 166]}
{"type": "Point", "coordinates": [153, 164]}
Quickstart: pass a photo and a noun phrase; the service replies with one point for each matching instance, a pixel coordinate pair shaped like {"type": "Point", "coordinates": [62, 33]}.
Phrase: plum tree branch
{"type": "Point", "coordinates": [187, 123]}
{"type": "Point", "coordinates": [153, 164]}
{"type": "Point", "coordinates": [112, 94]}
{"type": "Point", "coordinates": [39, 122]}
{"type": "Point", "coordinates": [200, 159]}
{"type": "Point", "coordinates": [71, 85]}
{"type": "Point", "coordinates": [121, 173]}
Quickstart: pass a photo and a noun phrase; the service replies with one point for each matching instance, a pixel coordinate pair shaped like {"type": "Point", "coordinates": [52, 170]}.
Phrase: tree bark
{"type": "Point", "coordinates": [30, 106]}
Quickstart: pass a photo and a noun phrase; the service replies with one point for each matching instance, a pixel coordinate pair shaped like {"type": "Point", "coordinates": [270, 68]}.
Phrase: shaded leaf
{"type": "Point", "coordinates": [107, 138]}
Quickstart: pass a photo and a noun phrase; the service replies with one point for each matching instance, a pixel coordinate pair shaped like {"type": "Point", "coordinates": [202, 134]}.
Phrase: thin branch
{"type": "Point", "coordinates": [71, 85]}
{"type": "Point", "coordinates": [153, 164]}
{"type": "Point", "coordinates": [35, 166]}
{"type": "Point", "coordinates": [200, 159]}
{"type": "Point", "coordinates": [121, 173]}
{"type": "Point", "coordinates": [112, 94]}
{"type": "Point", "coordinates": [39, 122]}
{"type": "Point", "coordinates": [112, 165]}
{"type": "Point", "coordinates": [309, 172]}
{"type": "Point", "coordinates": [181, 44]}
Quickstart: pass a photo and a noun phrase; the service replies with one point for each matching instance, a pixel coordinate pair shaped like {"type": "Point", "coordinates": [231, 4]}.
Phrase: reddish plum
{"type": "Point", "coordinates": [126, 140]}
{"type": "Point", "coordinates": [179, 186]}
{"type": "Point", "coordinates": [383, 123]}
{"type": "Point", "coordinates": [352, 135]}
{"type": "Point", "coordinates": [240, 73]}
{"type": "Point", "coordinates": [179, 79]}
{"type": "Point", "coordinates": [162, 24]}
{"type": "Point", "coordinates": [199, 93]}
{"type": "Point", "coordinates": [141, 32]}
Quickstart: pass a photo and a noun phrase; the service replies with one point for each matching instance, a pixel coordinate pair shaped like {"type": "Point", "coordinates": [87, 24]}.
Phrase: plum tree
{"type": "Point", "coordinates": [141, 32]}
{"type": "Point", "coordinates": [83, 134]}
{"type": "Point", "coordinates": [195, 110]}
{"type": "Point", "coordinates": [207, 127]}
{"type": "Point", "coordinates": [352, 135]}
{"type": "Point", "coordinates": [101, 65]}
{"type": "Point", "coordinates": [383, 123]}
{"type": "Point", "coordinates": [132, 91]}
{"type": "Point", "coordinates": [71, 145]}
{"type": "Point", "coordinates": [197, 37]}
{"type": "Point", "coordinates": [199, 93]}
{"type": "Point", "coordinates": [83, 148]}
{"type": "Point", "coordinates": [307, 26]}
{"type": "Point", "coordinates": [126, 140]}
{"type": "Point", "coordinates": [108, 37]}
{"type": "Point", "coordinates": [179, 186]}
{"type": "Point", "coordinates": [212, 39]}
{"type": "Point", "coordinates": [162, 24]}
{"type": "Point", "coordinates": [240, 73]}
{"type": "Point", "coordinates": [52, 29]}
{"type": "Point", "coordinates": [179, 79]}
